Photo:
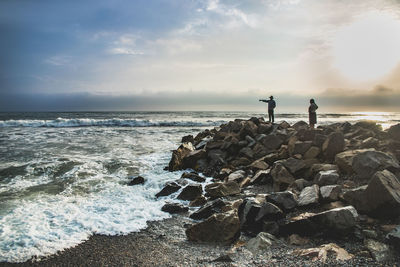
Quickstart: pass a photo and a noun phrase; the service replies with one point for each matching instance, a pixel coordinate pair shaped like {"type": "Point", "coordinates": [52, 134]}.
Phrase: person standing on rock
{"type": "Point", "coordinates": [271, 106]}
{"type": "Point", "coordinates": [312, 114]}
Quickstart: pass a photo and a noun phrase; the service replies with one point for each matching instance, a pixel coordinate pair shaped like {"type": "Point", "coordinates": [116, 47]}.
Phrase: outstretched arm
{"type": "Point", "coordinates": [263, 100]}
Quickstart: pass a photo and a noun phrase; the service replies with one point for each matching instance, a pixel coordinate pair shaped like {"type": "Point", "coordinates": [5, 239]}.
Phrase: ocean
{"type": "Point", "coordinates": [64, 176]}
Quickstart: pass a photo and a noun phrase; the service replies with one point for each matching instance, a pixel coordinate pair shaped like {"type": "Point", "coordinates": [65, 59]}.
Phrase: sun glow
{"type": "Point", "coordinates": [369, 48]}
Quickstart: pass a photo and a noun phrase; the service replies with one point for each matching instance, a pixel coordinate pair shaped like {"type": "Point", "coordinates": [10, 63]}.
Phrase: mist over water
{"type": "Point", "coordinates": [63, 176]}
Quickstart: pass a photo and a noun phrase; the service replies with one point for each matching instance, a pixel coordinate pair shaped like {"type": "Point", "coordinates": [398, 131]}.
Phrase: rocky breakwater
{"type": "Point", "coordinates": [271, 182]}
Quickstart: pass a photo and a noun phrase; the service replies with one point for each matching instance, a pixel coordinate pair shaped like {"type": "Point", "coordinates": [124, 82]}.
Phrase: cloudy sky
{"type": "Point", "coordinates": [199, 55]}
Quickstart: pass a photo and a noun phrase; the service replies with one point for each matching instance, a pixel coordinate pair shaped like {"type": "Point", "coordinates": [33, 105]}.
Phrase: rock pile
{"type": "Point", "coordinates": [290, 180]}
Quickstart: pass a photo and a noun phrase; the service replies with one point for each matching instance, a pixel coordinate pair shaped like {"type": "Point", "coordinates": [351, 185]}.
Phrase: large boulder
{"type": "Point", "coordinates": [293, 165]}
{"type": "Point", "coordinates": [261, 177]}
{"type": "Point", "coordinates": [383, 195]}
{"type": "Point", "coordinates": [168, 189]}
{"type": "Point", "coordinates": [281, 177]}
{"type": "Point", "coordinates": [137, 180]}
{"type": "Point", "coordinates": [190, 160]}
{"type": "Point", "coordinates": [365, 164]}
{"type": "Point", "coordinates": [191, 192]}
{"type": "Point", "coordinates": [338, 221]}
{"type": "Point", "coordinates": [218, 228]}
{"type": "Point", "coordinates": [193, 176]}
{"type": "Point", "coordinates": [176, 162]}
{"type": "Point", "coordinates": [300, 147]}
{"type": "Point", "coordinates": [271, 142]}
{"type": "Point", "coordinates": [218, 189]}
{"type": "Point", "coordinates": [309, 196]}
{"type": "Point", "coordinates": [344, 160]}
{"type": "Point", "coordinates": [333, 144]}
{"type": "Point", "coordinates": [237, 176]}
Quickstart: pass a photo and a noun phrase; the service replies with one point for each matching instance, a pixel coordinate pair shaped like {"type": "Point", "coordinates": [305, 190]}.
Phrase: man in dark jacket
{"type": "Point", "coordinates": [271, 106]}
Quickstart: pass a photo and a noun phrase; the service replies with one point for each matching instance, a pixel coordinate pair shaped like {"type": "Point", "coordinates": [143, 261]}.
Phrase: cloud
{"type": "Point", "coordinates": [58, 60]}
{"type": "Point", "coordinates": [125, 51]}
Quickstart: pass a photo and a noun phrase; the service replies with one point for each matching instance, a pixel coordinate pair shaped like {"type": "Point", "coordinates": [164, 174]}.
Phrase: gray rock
{"type": "Point", "coordinates": [218, 228]}
{"type": "Point", "coordinates": [344, 160]}
{"type": "Point", "coordinates": [261, 177]}
{"type": "Point", "coordinates": [312, 152]}
{"type": "Point", "coordinates": [271, 142]}
{"type": "Point", "coordinates": [176, 162]}
{"type": "Point", "coordinates": [383, 195]}
{"type": "Point", "coordinates": [193, 176]}
{"type": "Point", "coordinates": [330, 192]}
{"type": "Point", "coordinates": [333, 145]}
{"type": "Point", "coordinates": [309, 196]}
{"type": "Point", "coordinates": [174, 208]}
{"type": "Point", "coordinates": [216, 190]}
{"type": "Point", "coordinates": [367, 163]}
{"type": "Point", "coordinates": [379, 251]}
{"type": "Point", "coordinates": [316, 168]}
{"type": "Point", "coordinates": [339, 219]}
{"type": "Point", "coordinates": [394, 131]}
{"type": "Point", "coordinates": [300, 147]}
{"type": "Point", "coordinates": [168, 189]}
{"type": "Point", "coordinates": [237, 176]}
{"type": "Point", "coordinates": [394, 236]}
{"type": "Point", "coordinates": [260, 243]}
{"type": "Point", "coordinates": [281, 177]}
{"type": "Point", "coordinates": [259, 164]}
{"type": "Point", "coordinates": [269, 211]}
{"type": "Point", "coordinates": [136, 181]}
{"type": "Point", "coordinates": [356, 198]}
{"type": "Point", "coordinates": [250, 141]}
{"type": "Point", "coordinates": [208, 209]}
{"type": "Point", "coordinates": [327, 177]}
{"type": "Point", "coordinates": [191, 192]}
{"type": "Point", "coordinates": [285, 200]}
{"type": "Point", "coordinates": [293, 165]}
{"type": "Point", "coordinates": [247, 152]}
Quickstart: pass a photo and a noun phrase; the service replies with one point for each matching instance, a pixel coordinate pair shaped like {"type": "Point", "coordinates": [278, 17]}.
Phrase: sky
{"type": "Point", "coordinates": [199, 55]}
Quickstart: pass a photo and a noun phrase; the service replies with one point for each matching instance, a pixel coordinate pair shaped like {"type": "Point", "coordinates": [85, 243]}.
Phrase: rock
{"type": "Point", "coordinates": [219, 228]}
{"type": "Point", "coordinates": [174, 208]}
{"type": "Point", "coordinates": [356, 197]}
{"type": "Point", "coordinates": [394, 132]}
{"type": "Point", "coordinates": [299, 185]}
{"type": "Point", "coordinates": [327, 177]}
{"type": "Point", "coordinates": [394, 236]}
{"type": "Point", "coordinates": [136, 181]}
{"type": "Point", "coordinates": [176, 162]}
{"type": "Point", "coordinates": [248, 128]}
{"type": "Point", "coordinates": [293, 165]}
{"type": "Point", "coordinates": [297, 240]}
{"type": "Point", "coordinates": [260, 243]}
{"type": "Point", "coordinates": [240, 162]}
{"type": "Point", "coordinates": [259, 164]}
{"type": "Point", "coordinates": [200, 201]}
{"type": "Point", "coordinates": [281, 177]}
{"type": "Point", "coordinates": [337, 220]}
{"type": "Point", "coordinates": [370, 142]}
{"type": "Point", "coordinates": [193, 176]}
{"type": "Point", "coordinates": [261, 177]}
{"type": "Point", "coordinates": [284, 125]}
{"type": "Point", "coordinates": [316, 168]}
{"type": "Point", "coordinates": [271, 142]}
{"type": "Point", "coordinates": [365, 164]}
{"type": "Point", "coordinates": [248, 212]}
{"type": "Point", "coordinates": [285, 200]}
{"type": "Point", "coordinates": [218, 189]}
{"type": "Point", "coordinates": [187, 139]}
{"type": "Point", "coordinates": [168, 189]}
{"type": "Point", "coordinates": [379, 251]}
{"type": "Point", "coordinates": [344, 160]}
{"type": "Point", "coordinates": [300, 147]}
{"type": "Point", "coordinates": [223, 258]}
{"type": "Point", "coordinates": [333, 144]}
{"type": "Point", "coordinates": [245, 182]}
{"type": "Point", "coordinates": [383, 195]}
{"type": "Point", "coordinates": [190, 160]}
{"type": "Point", "coordinates": [268, 211]}
{"type": "Point", "coordinates": [237, 176]}
{"type": "Point", "coordinates": [312, 152]}
{"type": "Point", "coordinates": [309, 196]}
{"type": "Point", "coordinates": [247, 152]}
{"type": "Point", "coordinates": [208, 209]}
{"type": "Point", "coordinates": [191, 192]}
{"type": "Point", "coordinates": [299, 125]}
{"type": "Point", "coordinates": [250, 141]}
{"type": "Point", "coordinates": [369, 124]}
{"type": "Point", "coordinates": [271, 227]}
{"type": "Point", "coordinates": [330, 192]}
{"type": "Point", "coordinates": [322, 253]}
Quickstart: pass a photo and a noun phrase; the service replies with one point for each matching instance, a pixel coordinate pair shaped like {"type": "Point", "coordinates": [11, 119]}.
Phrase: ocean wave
{"type": "Point", "coordinates": [115, 122]}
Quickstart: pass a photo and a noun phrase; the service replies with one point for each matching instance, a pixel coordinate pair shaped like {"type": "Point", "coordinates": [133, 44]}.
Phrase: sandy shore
{"type": "Point", "coordinates": [164, 243]}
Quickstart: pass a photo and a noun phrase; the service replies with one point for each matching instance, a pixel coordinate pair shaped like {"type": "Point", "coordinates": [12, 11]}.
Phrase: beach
{"type": "Point", "coordinates": [71, 172]}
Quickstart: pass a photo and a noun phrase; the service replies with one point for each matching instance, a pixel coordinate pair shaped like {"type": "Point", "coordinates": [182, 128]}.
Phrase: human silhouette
{"type": "Point", "coordinates": [271, 106]}
{"type": "Point", "coordinates": [312, 114]}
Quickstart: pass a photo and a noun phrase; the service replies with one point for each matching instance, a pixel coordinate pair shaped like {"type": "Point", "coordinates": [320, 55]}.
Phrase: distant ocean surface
{"type": "Point", "coordinates": [63, 176]}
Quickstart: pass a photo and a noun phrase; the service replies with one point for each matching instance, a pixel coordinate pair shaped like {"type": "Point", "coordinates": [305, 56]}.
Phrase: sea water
{"type": "Point", "coordinates": [64, 176]}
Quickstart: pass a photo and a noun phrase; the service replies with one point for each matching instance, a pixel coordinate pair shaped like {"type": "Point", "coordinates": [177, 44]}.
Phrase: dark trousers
{"type": "Point", "coordinates": [271, 115]}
